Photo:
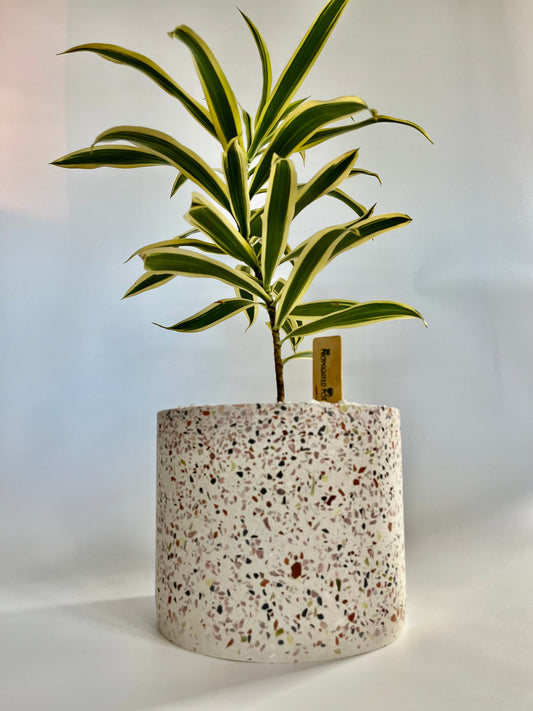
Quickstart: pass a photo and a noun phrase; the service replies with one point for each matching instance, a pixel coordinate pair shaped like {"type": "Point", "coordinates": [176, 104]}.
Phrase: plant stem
{"type": "Point", "coordinates": [278, 362]}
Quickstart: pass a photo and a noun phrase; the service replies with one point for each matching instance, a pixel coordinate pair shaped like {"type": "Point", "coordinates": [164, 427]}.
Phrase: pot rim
{"type": "Point", "coordinates": [342, 405]}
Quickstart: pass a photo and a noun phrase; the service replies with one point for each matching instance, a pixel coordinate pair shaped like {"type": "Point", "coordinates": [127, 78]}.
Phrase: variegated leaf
{"type": "Point", "coordinates": [236, 172]}
{"type": "Point", "coordinates": [149, 280]}
{"type": "Point", "coordinates": [210, 316]}
{"type": "Point", "coordinates": [359, 315]}
{"type": "Point", "coordinates": [209, 220]}
{"type": "Point", "coordinates": [317, 309]}
{"type": "Point", "coordinates": [252, 311]}
{"type": "Point", "coordinates": [193, 264]}
{"type": "Point", "coordinates": [120, 55]}
{"type": "Point", "coordinates": [296, 70]}
{"type": "Point", "coordinates": [110, 157]}
{"type": "Point", "coordinates": [185, 160]}
{"type": "Point", "coordinates": [325, 134]}
{"type": "Point", "coordinates": [277, 217]}
{"type": "Point", "coordinates": [326, 180]}
{"type": "Point", "coordinates": [180, 180]}
{"type": "Point", "coordinates": [178, 243]}
{"type": "Point", "coordinates": [298, 355]}
{"type": "Point", "coordinates": [367, 229]}
{"type": "Point", "coordinates": [265, 63]}
{"type": "Point", "coordinates": [349, 201]}
{"type": "Point", "coordinates": [314, 257]}
{"type": "Point", "coordinates": [302, 123]}
{"type": "Point", "coordinates": [223, 107]}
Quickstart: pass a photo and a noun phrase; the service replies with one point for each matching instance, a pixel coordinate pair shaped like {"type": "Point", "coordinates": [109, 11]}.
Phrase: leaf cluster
{"type": "Point", "coordinates": [256, 166]}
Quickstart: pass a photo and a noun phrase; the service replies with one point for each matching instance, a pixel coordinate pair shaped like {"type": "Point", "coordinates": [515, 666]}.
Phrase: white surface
{"type": "Point", "coordinates": [468, 645]}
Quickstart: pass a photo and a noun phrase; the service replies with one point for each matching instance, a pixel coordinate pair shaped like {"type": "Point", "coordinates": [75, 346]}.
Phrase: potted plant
{"type": "Point", "coordinates": [279, 525]}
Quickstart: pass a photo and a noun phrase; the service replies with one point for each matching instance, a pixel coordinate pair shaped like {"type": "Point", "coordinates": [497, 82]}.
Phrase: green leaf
{"type": "Point", "coordinates": [278, 285]}
{"type": "Point", "coordinates": [336, 230]}
{"type": "Point", "coordinates": [331, 175]}
{"type": "Point", "coordinates": [265, 62]}
{"type": "Point", "coordinates": [236, 172]}
{"type": "Point", "coordinates": [288, 111]}
{"type": "Point", "coordinates": [256, 222]}
{"type": "Point", "coordinates": [209, 220]}
{"type": "Point", "coordinates": [193, 264]}
{"type": "Point", "coordinates": [110, 157]}
{"type": "Point", "coordinates": [180, 180]}
{"type": "Point", "coordinates": [178, 242]}
{"type": "Point", "coordinates": [148, 281]}
{"type": "Point", "coordinates": [325, 134]}
{"type": "Point", "coordinates": [120, 55]}
{"type": "Point", "coordinates": [247, 119]}
{"type": "Point", "coordinates": [366, 229]}
{"type": "Point", "coordinates": [210, 316]}
{"type": "Point", "coordinates": [290, 108]}
{"type": "Point", "coordinates": [317, 309]}
{"type": "Point", "coordinates": [314, 257]}
{"type": "Point", "coordinates": [378, 118]}
{"type": "Point", "coordinates": [293, 133]}
{"type": "Point", "coordinates": [288, 326]}
{"type": "Point", "coordinates": [347, 200]}
{"type": "Point", "coordinates": [360, 171]}
{"type": "Point", "coordinates": [222, 104]}
{"type": "Point", "coordinates": [186, 161]}
{"type": "Point", "coordinates": [252, 311]}
{"type": "Point", "coordinates": [359, 315]}
{"type": "Point", "coordinates": [297, 69]}
{"type": "Point", "coordinates": [278, 214]}
{"type": "Point", "coordinates": [300, 355]}
{"type": "Point", "coordinates": [350, 232]}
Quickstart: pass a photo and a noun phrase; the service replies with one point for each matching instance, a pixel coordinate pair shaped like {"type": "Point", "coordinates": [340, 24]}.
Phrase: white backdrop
{"type": "Point", "coordinates": [83, 373]}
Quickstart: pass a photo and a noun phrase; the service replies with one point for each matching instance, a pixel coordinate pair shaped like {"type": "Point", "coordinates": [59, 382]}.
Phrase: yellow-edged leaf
{"type": "Point", "coordinates": [325, 134]}
{"type": "Point", "coordinates": [366, 229]}
{"type": "Point", "coordinates": [223, 107]}
{"type": "Point", "coordinates": [236, 172]}
{"type": "Point", "coordinates": [178, 243]}
{"type": "Point", "coordinates": [343, 197]}
{"type": "Point", "coordinates": [180, 180]}
{"type": "Point", "coordinates": [149, 280]}
{"type": "Point", "coordinates": [252, 311]}
{"type": "Point", "coordinates": [184, 159]}
{"type": "Point", "coordinates": [210, 316]}
{"type": "Point", "coordinates": [299, 355]}
{"type": "Point", "coordinates": [209, 220]}
{"type": "Point", "coordinates": [359, 315]}
{"type": "Point", "coordinates": [110, 157]}
{"type": "Point", "coordinates": [326, 180]}
{"type": "Point", "coordinates": [349, 228]}
{"type": "Point", "coordinates": [120, 55]}
{"type": "Point", "coordinates": [265, 63]}
{"type": "Point", "coordinates": [277, 217]}
{"type": "Point", "coordinates": [186, 263]}
{"type": "Point", "coordinates": [317, 309]}
{"type": "Point", "coordinates": [302, 123]}
{"type": "Point", "coordinates": [313, 258]}
{"type": "Point", "coordinates": [297, 69]}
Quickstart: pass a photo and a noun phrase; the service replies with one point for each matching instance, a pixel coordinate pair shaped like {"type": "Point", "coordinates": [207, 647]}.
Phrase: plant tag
{"type": "Point", "coordinates": [327, 368]}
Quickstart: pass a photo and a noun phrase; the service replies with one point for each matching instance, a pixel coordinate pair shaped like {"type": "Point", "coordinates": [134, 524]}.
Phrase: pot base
{"type": "Point", "coordinates": [280, 530]}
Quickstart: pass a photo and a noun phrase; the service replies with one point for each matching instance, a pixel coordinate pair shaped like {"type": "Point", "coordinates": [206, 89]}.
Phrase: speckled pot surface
{"type": "Point", "coordinates": [280, 530]}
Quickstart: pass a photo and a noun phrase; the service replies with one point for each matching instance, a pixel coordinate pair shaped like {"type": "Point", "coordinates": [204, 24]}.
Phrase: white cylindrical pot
{"type": "Point", "coordinates": [280, 530]}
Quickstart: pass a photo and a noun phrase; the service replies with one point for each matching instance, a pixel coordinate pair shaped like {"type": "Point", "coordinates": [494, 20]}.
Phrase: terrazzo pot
{"type": "Point", "coordinates": [280, 530]}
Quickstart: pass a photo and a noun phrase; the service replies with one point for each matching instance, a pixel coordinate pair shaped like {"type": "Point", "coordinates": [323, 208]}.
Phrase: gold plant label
{"type": "Point", "coordinates": [327, 368]}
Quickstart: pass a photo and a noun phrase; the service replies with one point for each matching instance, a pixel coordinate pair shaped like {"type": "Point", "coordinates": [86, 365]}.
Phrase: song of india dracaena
{"type": "Point", "coordinates": [245, 206]}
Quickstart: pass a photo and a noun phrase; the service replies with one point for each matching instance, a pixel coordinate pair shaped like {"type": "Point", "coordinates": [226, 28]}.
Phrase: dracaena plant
{"type": "Point", "coordinates": [248, 203]}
